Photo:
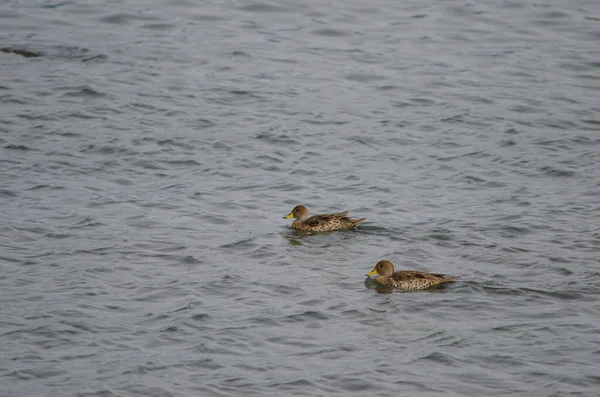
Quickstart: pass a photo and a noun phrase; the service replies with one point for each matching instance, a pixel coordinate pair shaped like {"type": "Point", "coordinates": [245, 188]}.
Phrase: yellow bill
{"type": "Point", "coordinates": [290, 215]}
{"type": "Point", "coordinates": [373, 273]}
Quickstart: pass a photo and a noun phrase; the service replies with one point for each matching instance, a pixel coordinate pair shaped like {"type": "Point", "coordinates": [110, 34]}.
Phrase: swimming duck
{"type": "Point", "coordinates": [408, 280]}
{"type": "Point", "coordinates": [321, 223]}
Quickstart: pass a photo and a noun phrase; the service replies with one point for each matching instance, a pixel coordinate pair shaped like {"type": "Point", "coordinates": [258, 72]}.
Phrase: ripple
{"type": "Point", "coordinates": [364, 78]}
{"type": "Point", "coordinates": [327, 32]}
{"type": "Point", "coordinates": [83, 91]}
{"type": "Point", "coordinates": [18, 147]}
{"type": "Point", "coordinates": [261, 8]}
{"type": "Point", "coordinates": [125, 18]}
{"type": "Point", "coordinates": [307, 316]}
{"type": "Point", "coordinates": [19, 51]}
{"type": "Point", "coordinates": [550, 171]}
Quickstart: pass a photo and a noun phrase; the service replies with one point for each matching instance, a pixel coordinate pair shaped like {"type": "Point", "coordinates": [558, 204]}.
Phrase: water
{"type": "Point", "coordinates": [149, 151]}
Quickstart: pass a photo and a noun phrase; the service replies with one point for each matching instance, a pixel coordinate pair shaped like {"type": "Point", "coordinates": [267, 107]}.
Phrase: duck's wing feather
{"type": "Point", "coordinates": [323, 219]}
{"type": "Point", "coordinates": [406, 275]}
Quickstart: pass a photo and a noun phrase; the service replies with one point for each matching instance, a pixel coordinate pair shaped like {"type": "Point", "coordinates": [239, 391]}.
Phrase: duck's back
{"type": "Point", "coordinates": [326, 222]}
{"type": "Point", "coordinates": [417, 280]}
{"type": "Point", "coordinates": [318, 223]}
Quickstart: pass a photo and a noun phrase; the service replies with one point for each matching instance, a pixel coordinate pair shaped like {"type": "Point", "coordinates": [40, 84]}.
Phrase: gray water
{"type": "Point", "coordinates": [150, 149]}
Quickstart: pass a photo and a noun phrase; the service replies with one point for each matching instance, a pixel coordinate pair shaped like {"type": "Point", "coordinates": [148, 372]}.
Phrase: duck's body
{"type": "Point", "coordinates": [408, 280]}
{"type": "Point", "coordinates": [321, 223]}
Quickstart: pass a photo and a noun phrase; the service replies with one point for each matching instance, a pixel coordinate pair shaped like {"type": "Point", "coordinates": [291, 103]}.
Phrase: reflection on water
{"type": "Point", "coordinates": [380, 288]}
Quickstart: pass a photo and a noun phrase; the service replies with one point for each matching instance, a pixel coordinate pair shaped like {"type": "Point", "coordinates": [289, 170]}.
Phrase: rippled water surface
{"type": "Point", "coordinates": [149, 149]}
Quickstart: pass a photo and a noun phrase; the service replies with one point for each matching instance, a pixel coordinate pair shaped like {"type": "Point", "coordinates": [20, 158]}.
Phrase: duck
{"type": "Point", "coordinates": [407, 280]}
{"type": "Point", "coordinates": [321, 223]}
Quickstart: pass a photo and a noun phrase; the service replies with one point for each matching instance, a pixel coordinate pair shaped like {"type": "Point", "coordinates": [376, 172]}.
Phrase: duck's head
{"type": "Point", "coordinates": [299, 212]}
{"type": "Point", "coordinates": [382, 268]}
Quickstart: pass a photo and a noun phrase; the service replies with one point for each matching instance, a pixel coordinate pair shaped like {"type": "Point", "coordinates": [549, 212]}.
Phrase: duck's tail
{"type": "Point", "coordinates": [357, 221]}
{"type": "Point", "coordinates": [445, 279]}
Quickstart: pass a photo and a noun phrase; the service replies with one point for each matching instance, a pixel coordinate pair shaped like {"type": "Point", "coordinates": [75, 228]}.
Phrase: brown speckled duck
{"type": "Point", "coordinates": [321, 223]}
{"type": "Point", "coordinates": [408, 280]}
